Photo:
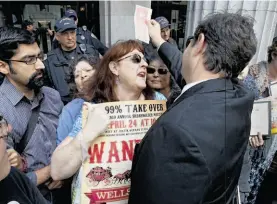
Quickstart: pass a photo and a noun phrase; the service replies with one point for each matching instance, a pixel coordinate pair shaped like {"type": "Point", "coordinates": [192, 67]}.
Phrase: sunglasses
{"type": "Point", "coordinates": [161, 71]}
{"type": "Point", "coordinates": [136, 58]}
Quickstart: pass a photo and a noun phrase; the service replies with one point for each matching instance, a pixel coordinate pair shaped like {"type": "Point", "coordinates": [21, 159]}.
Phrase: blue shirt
{"type": "Point", "coordinates": [71, 113]}
{"type": "Point", "coordinates": [17, 109]}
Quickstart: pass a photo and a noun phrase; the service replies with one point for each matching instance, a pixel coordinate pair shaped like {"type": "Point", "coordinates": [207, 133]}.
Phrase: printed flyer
{"type": "Point", "coordinates": [106, 172]}
{"type": "Point", "coordinates": [273, 113]}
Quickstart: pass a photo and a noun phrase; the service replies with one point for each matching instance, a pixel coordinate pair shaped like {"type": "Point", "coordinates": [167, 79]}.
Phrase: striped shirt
{"type": "Point", "coordinates": [17, 109]}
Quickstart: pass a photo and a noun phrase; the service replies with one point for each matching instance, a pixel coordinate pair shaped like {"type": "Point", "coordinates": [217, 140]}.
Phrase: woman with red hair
{"type": "Point", "coordinates": [121, 76]}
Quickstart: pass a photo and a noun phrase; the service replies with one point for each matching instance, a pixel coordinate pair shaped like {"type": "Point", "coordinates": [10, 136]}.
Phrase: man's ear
{"type": "Point", "coordinates": [274, 55]}
{"type": "Point", "coordinates": [200, 45]}
{"type": "Point", "coordinates": [4, 67]}
{"type": "Point", "coordinates": [114, 68]}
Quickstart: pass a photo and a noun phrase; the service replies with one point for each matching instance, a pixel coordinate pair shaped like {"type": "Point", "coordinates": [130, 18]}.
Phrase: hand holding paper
{"type": "Point", "coordinates": [256, 141]}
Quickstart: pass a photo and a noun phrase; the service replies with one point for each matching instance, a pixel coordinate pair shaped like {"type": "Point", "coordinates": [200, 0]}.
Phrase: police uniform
{"type": "Point", "coordinates": [84, 36]}
{"type": "Point", "coordinates": [58, 73]}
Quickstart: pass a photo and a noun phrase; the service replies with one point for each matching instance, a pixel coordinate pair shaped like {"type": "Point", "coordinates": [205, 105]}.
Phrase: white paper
{"type": "Point", "coordinates": [260, 118]}
{"type": "Point", "coordinates": [142, 14]}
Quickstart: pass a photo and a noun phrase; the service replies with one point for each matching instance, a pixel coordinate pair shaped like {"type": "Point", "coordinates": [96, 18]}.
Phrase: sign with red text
{"type": "Point", "coordinates": [106, 172]}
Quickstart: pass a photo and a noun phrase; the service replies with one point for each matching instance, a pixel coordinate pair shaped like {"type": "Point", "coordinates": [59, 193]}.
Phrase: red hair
{"type": "Point", "coordinates": [102, 88]}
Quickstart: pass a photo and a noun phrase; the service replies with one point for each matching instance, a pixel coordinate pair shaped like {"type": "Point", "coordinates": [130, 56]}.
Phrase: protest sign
{"type": "Point", "coordinates": [261, 118]}
{"type": "Point", "coordinates": [106, 172]}
{"type": "Point", "coordinates": [273, 114]}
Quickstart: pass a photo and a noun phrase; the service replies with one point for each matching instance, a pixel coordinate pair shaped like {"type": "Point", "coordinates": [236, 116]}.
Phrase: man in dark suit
{"type": "Point", "coordinates": [193, 154]}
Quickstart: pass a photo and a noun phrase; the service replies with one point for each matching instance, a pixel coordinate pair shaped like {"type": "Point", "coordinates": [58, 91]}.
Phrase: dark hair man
{"type": "Point", "coordinates": [194, 153]}
{"type": "Point", "coordinates": [32, 109]}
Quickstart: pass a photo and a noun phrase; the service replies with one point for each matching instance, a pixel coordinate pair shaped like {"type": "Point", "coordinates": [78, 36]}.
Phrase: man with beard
{"type": "Point", "coordinates": [31, 109]}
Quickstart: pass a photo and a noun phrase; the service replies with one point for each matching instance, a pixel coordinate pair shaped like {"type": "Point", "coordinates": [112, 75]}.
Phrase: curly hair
{"type": "Point", "coordinates": [102, 88]}
{"type": "Point", "coordinates": [230, 42]}
{"type": "Point", "coordinates": [272, 49]}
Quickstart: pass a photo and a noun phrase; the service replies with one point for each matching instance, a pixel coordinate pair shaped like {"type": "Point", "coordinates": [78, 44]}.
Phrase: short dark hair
{"type": "Point", "coordinates": [11, 38]}
{"type": "Point", "coordinates": [272, 49]}
{"type": "Point", "coordinates": [231, 42]}
{"type": "Point", "coordinates": [189, 40]}
{"type": "Point", "coordinates": [274, 39]}
{"type": "Point", "coordinates": [26, 23]}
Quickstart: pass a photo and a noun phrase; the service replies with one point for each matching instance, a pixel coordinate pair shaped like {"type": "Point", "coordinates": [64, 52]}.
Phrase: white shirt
{"type": "Point", "coordinates": [188, 86]}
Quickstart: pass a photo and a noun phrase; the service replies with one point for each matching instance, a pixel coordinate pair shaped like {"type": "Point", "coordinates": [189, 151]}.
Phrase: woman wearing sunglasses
{"type": "Point", "coordinates": [160, 79]}
{"type": "Point", "coordinates": [121, 76]}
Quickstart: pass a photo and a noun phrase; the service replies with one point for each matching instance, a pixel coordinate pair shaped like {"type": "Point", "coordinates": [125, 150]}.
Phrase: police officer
{"type": "Point", "coordinates": [83, 35]}
{"type": "Point", "coordinates": [57, 65]}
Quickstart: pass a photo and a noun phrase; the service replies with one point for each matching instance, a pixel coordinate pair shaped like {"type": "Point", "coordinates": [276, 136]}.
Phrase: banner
{"type": "Point", "coordinates": [106, 172]}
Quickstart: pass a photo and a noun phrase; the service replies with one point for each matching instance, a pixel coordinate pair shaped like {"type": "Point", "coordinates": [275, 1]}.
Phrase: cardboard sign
{"type": "Point", "coordinates": [106, 172]}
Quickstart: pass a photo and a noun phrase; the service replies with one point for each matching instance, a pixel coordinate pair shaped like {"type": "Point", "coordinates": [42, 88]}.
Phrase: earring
{"type": "Point", "coordinates": [117, 81]}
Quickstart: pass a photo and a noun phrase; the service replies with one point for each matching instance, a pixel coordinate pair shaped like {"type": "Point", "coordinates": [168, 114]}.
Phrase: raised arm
{"type": "Point", "coordinates": [169, 53]}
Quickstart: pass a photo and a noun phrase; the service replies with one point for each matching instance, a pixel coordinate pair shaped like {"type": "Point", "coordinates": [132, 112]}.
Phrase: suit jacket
{"type": "Point", "coordinates": [194, 152]}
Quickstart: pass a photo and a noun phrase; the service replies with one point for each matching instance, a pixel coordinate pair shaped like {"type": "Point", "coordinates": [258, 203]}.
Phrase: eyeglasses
{"type": "Point", "coordinates": [136, 58]}
{"type": "Point", "coordinates": [30, 60]}
{"type": "Point", "coordinates": [161, 71]}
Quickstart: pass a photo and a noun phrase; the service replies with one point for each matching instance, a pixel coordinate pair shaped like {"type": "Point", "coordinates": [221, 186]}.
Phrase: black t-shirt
{"type": "Point", "coordinates": [18, 188]}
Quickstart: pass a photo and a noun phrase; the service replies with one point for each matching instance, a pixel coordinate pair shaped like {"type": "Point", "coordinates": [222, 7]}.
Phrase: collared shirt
{"type": "Point", "coordinates": [17, 109]}
{"type": "Point", "coordinates": [188, 86]}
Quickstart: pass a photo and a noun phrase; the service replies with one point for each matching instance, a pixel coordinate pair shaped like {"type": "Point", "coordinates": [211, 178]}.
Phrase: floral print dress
{"type": "Point", "coordinates": [258, 81]}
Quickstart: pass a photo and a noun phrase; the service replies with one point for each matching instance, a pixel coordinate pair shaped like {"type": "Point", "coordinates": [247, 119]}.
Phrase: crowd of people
{"type": "Point", "coordinates": [198, 151]}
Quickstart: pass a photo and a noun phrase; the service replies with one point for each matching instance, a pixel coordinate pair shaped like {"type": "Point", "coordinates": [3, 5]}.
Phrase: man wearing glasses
{"type": "Point", "coordinates": [31, 109]}
{"type": "Point", "coordinates": [14, 186]}
{"type": "Point", "coordinates": [59, 74]}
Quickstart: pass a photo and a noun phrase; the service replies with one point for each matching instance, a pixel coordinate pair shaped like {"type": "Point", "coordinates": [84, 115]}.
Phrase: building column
{"type": "Point", "coordinates": [263, 12]}
{"type": "Point", "coordinates": [117, 20]}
